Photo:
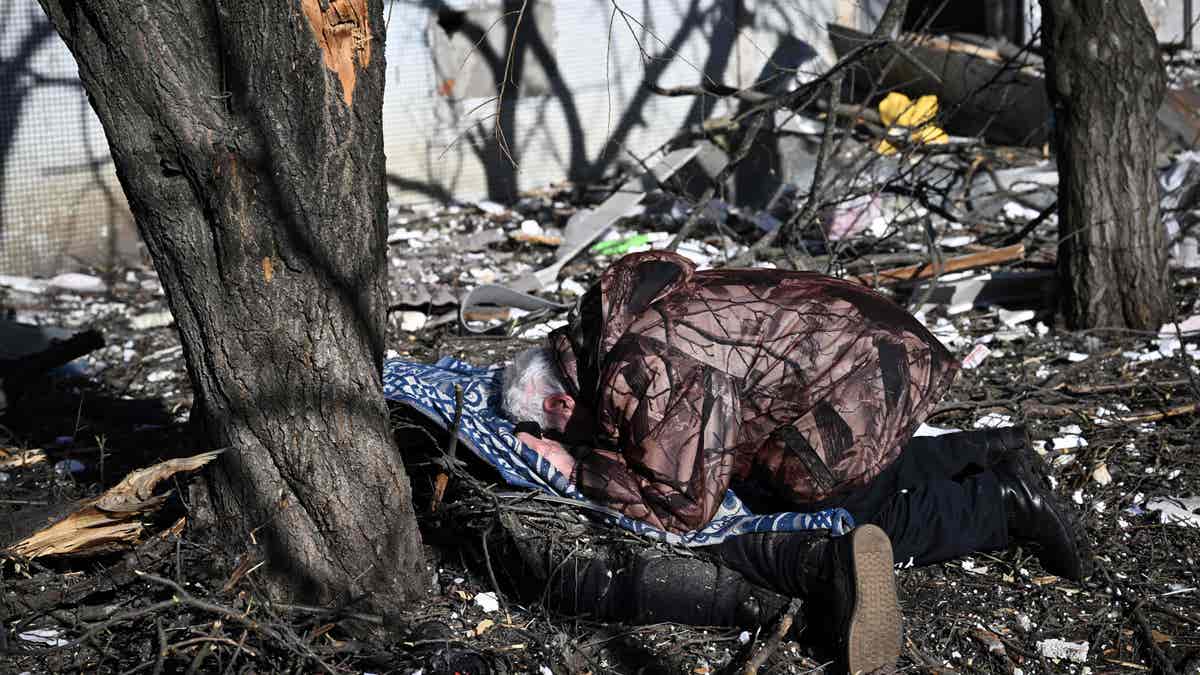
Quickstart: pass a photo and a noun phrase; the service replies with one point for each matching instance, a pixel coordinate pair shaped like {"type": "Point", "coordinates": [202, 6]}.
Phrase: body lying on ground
{"type": "Point", "coordinates": [670, 385]}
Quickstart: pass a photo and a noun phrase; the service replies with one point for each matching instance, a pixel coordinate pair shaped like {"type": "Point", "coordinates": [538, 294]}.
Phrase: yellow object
{"type": "Point", "coordinates": [898, 110]}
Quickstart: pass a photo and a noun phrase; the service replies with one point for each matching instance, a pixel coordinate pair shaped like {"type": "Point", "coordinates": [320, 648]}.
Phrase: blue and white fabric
{"type": "Point", "coordinates": [484, 429]}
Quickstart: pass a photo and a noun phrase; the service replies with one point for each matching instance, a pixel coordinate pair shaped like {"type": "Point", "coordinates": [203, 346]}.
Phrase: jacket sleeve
{"type": "Point", "coordinates": [676, 423]}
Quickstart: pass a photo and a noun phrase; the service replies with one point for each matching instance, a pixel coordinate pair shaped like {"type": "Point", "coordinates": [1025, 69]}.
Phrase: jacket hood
{"type": "Point", "coordinates": [624, 291]}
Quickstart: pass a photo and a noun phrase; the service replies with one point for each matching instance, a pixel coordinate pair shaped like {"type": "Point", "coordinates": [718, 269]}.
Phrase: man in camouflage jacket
{"type": "Point", "coordinates": [800, 392]}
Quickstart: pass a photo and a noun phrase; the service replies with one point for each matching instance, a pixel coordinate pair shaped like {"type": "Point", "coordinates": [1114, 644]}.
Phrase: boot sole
{"type": "Point", "coordinates": [873, 640]}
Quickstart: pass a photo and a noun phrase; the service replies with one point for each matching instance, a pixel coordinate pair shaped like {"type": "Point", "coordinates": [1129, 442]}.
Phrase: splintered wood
{"type": "Point", "coordinates": [113, 521]}
{"type": "Point", "coordinates": [15, 458]}
{"type": "Point", "coordinates": [342, 30]}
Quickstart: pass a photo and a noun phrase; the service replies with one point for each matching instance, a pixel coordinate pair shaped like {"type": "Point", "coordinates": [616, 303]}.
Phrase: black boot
{"type": "Point", "coordinates": [847, 585]}
{"type": "Point", "coordinates": [1035, 514]}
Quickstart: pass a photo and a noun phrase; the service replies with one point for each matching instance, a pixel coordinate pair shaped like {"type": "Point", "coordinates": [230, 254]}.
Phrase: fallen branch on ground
{"type": "Point", "coordinates": [958, 264]}
{"type": "Point", "coordinates": [113, 521]}
{"type": "Point", "coordinates": [12, 458]}
{"type": "Point", "coordinates": [760, 656]}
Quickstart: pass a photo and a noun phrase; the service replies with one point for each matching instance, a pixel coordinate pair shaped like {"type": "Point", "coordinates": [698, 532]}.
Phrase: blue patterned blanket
{"type": "Point", "coordinates": [430, 389]}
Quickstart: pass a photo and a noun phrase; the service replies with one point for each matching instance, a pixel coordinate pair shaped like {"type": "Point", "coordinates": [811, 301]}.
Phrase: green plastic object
{"type": "Point", "coordinates": [620, 246]}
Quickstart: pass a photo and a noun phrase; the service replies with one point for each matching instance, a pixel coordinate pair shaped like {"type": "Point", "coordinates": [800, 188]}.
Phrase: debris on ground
{"type": "Point", "coordinates": [956, 221]}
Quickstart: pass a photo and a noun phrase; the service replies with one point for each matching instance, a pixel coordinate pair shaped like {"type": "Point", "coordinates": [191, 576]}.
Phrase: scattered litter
{"type": "Point", "coordinates": [1070, 439]}
{"type": "Point", "coordinates": [993, 421]}
{"type": "Point", "coordinates": [1177, 510]}
{"type": "Point", "coordinates": [544, 670]}
{"type": "Point", "coordinates": [488, 602]}
{"type": "Point", "coordinates": [531, 227]}
{"type": "Point", "coordinates": [151, 320]}
{"type": "Point", "coordinates": [1062, 649]}
{"type": "Point", "coordinates": [1101, 475]}
{"type": "Point", "coordinates": [1011, 319]}
{"type": "Point", "coordinates": [1019, 212]}
{"type": "Point", "coordinates": [75, 282]}
{"type": "Point", "coordinates": [1077, 497]}
{"type": "Point", "coordinates": [23, 284]}
{"type": "Point", "coordinates": [976, 357]}
{"type": "Point", "coordinates": [160, 375]}
{"type": "Point", "coordinates": [402, 235]}
{"type": "Point", "coordinates": [957, 241]}
{"type": "Point", "coordinates": [491, 208]}
{"type": "Point", "coordinates": [969, 565]}
{"type": "Point", "coordinates": [856, 216]}
{"type": "Point", "coordinates": [1076, 357]}
{"type": "Point", "coordinates": [1060, 461]}
{"type": "Point", "coordinates": [571, 287]}
{"type": "Point", "coordinates": [1180, 184]}
{"type": "Point", "coordinates": [744, 637]}
{"type": "Point", "coordinates": [411, 321]}
{"type": "Point", "coordinates": [929, 430]}
{"type": "Point", "coordinates": [483, 275]}
{"type": "Point", "coordinates": [541, 330]}
{"type": "Point", "coordinates": [44, 636]}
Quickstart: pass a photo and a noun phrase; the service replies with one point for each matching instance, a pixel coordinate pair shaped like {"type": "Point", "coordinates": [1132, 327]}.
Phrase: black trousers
{"type": "Point", "coordinates": [938, 501]}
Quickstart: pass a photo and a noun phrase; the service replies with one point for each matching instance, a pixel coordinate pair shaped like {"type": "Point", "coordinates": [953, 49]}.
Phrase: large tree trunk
{"type": "Point", "coordinates": [248, 139]}
{"type": "Point", "coordinates": [1106, 80]}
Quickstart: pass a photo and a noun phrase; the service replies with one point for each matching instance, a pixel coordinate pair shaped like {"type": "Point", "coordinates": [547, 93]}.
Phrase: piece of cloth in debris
{"type": "Point", "coordinates": [483, 428]}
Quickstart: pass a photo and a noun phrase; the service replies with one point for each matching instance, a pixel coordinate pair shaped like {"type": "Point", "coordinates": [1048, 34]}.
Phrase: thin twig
{"type": "Point", "coordinates": [760, 656]}
{"type": "Point", "coordinates": [743, 151]}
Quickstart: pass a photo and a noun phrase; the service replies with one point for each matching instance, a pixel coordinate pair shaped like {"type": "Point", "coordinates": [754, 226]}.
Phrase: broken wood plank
{"type": "Point", "coordinates": [970, 261]}
{"type": "Point", "coordinates": [111, 522]}
{"type": "Point", "coordinates": [14, 458]}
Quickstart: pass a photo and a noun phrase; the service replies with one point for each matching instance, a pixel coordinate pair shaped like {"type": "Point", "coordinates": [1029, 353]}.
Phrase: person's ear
{"type": "Point", "coordinates": [561, 403]}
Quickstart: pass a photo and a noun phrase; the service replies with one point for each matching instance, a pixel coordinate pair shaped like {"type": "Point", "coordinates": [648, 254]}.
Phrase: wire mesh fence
{"type": "Point", "coordinates": [60, 203]}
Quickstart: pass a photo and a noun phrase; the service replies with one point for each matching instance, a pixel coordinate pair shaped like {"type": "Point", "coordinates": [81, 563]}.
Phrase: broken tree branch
{"type": "Point", "coordinates": [957, 264]}
{"type": "Point", "coordinates": [443, 477]}
{"type": "Point", "coordinates": [760, 656]}
{"type": "Point", "coordinates": [113, 521]}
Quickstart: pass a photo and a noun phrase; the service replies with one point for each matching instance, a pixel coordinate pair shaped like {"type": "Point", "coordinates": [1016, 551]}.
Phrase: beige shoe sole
{"type": "Point", "coordinates": [874, 637]}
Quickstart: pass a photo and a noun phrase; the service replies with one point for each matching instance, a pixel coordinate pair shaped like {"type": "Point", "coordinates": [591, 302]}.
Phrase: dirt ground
{"type": "Point", "coordinates": [1107, 402]}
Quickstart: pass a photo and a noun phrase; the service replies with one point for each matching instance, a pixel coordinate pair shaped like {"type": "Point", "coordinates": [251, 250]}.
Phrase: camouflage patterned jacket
{"type": "Point", "coordinates": [789, 384]}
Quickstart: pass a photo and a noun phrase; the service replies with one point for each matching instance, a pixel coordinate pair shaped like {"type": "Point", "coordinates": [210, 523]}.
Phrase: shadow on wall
{"type": "Point", "coordinates": [481, 38]}
{"type": "Point", "coordinates": [52, 214]}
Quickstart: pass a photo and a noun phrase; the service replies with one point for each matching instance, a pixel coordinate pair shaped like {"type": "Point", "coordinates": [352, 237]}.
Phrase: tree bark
{"type": "Point", "coordinates": [1106, 81]}
{"type": "Point", "coordinates": [248, 139]}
